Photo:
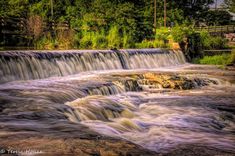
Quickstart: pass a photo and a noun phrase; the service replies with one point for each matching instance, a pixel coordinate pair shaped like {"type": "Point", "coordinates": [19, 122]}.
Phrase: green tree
{"type": "Point", "coordinates": [230, 4]}
{"type": "Point", "coordinates": [193, 10]}
{"type": "Point", "coordinates": [14, 8]}
{"type": "Point", "coordinates": [217, 17]}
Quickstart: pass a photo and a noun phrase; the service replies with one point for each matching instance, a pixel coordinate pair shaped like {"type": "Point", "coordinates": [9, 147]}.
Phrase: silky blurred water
{"type": "Point", "coordinates": [113, 97]}
{"type": "Point", "coordinates": [160, 122]}
{"type": "Point", "coordinates": [25, 65]}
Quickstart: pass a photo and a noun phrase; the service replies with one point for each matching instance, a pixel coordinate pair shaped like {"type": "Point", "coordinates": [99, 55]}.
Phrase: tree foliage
{"type": "Point", "coordinates": [111, 23]}
{"type": "Point", "coordinates": [230, 4]}
{"type": "Point", "coordinates": [131, 15]}
{"type": "Point", "coordinates": [217, 17]}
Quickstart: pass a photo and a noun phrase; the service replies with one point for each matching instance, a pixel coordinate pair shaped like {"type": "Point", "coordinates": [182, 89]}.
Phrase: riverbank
{"type": "Point", "coordinates": [222, 59]}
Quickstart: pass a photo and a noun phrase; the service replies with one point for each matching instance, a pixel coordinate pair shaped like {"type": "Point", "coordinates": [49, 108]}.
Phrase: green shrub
{"type": "Point", "coordinates": [114, 39]}
{"type": "Point", "coordinates": [99, 40]}
{"type": "Point", "coordinates": [210, 42]}
{"type": "Point", "coordinates": [127, 40]}
{"type": "Point", "coordinates": [232, 58]}
{"type": "Point", "coordinates": [205, 39]}
{"type": "Point", "coordinates": [163, 34]}
{"type": "Point", "coordinates": [218, 43]}
{"type": "Point", "coordinates": [144, 44]}
{"type": "Point", "coordinates": [179, 33]}
{"type": "Point", "coordinates": [152, 44]}
{"type": "Point", "coordinates": [162, 37]}
{"type": "Point", "coordinates": [86, 41]}
{"type": "Point", "coordinates": [102, 40]}
{"type": "Point", "coordinates": [223, 59]}
{"type": "Point", "coordinates": [46, 42]}
{"type": "Point", "coordinates": [160, 44]}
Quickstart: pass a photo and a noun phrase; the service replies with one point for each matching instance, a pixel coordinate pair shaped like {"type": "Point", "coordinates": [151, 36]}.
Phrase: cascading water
{"type": "Point", "coordinates": [157, 123]}
{"type": "Point", "coordinates": [131, 99]}
{"type": "Point", "coordinates": [39, 65]}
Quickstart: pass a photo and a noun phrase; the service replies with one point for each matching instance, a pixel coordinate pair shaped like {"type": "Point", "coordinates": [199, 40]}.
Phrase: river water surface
{"type": "Point", "coordinates": [151, 98]}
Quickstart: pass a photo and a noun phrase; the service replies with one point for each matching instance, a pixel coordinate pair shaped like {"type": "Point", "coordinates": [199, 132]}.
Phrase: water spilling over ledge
{"type": "Point", "coordinates": [115, 103]}
{"type": "Point", "coordinates": [25, 65]}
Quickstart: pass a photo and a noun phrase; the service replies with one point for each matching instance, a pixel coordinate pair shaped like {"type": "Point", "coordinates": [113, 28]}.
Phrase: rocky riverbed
{"type": "Point", "coordinates": [187, 110]}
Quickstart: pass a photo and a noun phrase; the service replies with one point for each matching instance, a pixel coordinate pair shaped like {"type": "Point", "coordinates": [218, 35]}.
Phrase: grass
{"type": "Point", "coordinates": [152, 44]}
{"type": "Point", "coordinates": [223, 59]}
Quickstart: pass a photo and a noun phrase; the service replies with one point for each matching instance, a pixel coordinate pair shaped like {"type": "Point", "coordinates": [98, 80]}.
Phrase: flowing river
{"type": "Point", "coordinates": [114, 102]}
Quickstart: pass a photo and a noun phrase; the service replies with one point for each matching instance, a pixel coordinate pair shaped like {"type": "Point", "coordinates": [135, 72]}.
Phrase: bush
{"type": "Point", "coordinates": [99, 40]}
{"type": "Point", "coordinates": [205, 38]}
{"type": "Point", "coordinates": [224, 59]}
{"type": "Point", "coordinates": [162, 37]}
{"type": "Point", "coordinates": [34, 26]}
{"type": "Point", "coordinates": [160, 44]}
{"type": "Point", "coordinates": [218, 43]}
{"type": "Point", "coordinates": [163, 34]}
{"type": "Point", "coordinates": [64, 38]}
{"type": "Point", "coordinates": [114, 39]}
{"type": "Point", "coordinates": [232, 58]}
{"type": "Point", "coordinates": [179, 33]}
{"type": "Point", "coordinates": [193, 48]}
{"type": "Point", "coordinates": [210, 42]}
{"type": "Point", "coordinates": [127, 40]}
{"type": "Point", "coordinates": [144, 44]}
{"type": "Point", "coordinates": [86, 42]}
{"type": "Point", "coordinates": [46, 42]}
{"type": "Point", "coordinates": [218, 17]}
{"type": "Point", "coordinates": [152, 44]}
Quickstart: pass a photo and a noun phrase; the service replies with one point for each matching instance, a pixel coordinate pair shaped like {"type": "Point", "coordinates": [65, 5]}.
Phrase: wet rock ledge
{"type": "Point", "coordinates": [139, 82]}
{"type": "Point", "coordinates": [62, 138]}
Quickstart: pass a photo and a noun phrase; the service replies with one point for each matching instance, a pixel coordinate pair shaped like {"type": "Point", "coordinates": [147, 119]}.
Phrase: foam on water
{"type": "Point", "coordinates": [156, 124]}
{"type": "Point", "coordinates": [75, 87]}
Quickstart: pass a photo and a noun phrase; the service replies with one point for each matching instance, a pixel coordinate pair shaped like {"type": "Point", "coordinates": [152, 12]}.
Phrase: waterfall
{"type": "Point", "coordinates": [160, 110]}
{"type": "Point", "coordinates": [25, 65]}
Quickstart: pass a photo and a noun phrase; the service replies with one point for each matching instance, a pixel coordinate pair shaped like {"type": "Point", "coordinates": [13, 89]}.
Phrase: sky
{"type": "Point", "coordinates": [219, 2]}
